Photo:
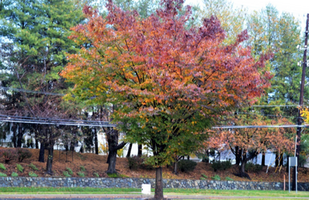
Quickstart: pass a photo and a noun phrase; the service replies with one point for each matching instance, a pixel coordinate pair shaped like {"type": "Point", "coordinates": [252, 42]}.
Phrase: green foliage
{"type": "Point", "coordinates": [217, 165]}
{"type": "Point", "coordinates": [69, 170]}
{"type": "Point", "coordinates": [203, 175]}
{"type": "Point", "coordinates": [216, 177]}
{"type": "Point", "coordinates": [66, 174]}
{"type": "Point", "coordinates": [14, 174]}
{"type": "Point", "coordinates": [81, 174]}
{"type": "Point", "coordinates": [229, 179]}
{"type": "Point", "coordinates": [250, 167]}
{"type": "Point", "coordinates": [20, 168]}
{"type": "Point", "coordinates": [82, 168]}
{"type": "Point", "coordinates": [23, 154]}
{"type": "Point", "coordinates": [186, 165]}
{"type": "Point", "coordinates": [2, 174]}
{"type": "Point", "coordinates": [32, 166]}
{"type": "Point", "coordinates": [32, 174]}
{"type": "Point", "coordinates": [2, 166]}
{"type": "Point", "coordinates": [96, 174]}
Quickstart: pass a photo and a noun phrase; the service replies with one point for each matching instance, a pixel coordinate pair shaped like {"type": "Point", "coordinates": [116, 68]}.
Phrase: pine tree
{"type": "Point", "coordinates": [37, 34]}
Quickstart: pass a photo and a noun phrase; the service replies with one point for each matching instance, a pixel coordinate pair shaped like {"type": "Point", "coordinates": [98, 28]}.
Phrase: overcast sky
{"type": "Point", "coordinates": [299, 8]}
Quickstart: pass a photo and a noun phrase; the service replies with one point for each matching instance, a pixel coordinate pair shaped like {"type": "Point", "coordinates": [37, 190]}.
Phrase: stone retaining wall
{"type": "Point", "coordinates": [136, 183]}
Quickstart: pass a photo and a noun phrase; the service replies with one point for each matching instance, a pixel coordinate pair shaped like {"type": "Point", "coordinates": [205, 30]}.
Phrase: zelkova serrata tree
{"type": "Point", "coordinates": [168, 83]}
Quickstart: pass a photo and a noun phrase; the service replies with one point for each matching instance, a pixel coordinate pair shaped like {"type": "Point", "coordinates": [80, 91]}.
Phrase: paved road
{"type": "Point", "coordinates": [123, 196]}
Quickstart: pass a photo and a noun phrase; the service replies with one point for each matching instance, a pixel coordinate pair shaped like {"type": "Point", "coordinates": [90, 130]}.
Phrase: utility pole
{"type": "Point", "coordinates": [301, 101]}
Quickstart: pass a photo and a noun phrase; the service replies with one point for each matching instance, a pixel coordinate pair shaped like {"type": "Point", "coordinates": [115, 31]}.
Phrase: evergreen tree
{"type": "Point", "coordinates": [37, 32]}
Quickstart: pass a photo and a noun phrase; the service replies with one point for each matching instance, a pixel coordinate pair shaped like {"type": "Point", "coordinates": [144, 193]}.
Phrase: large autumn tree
{"type": "Point", "coordinates": [169, 84]}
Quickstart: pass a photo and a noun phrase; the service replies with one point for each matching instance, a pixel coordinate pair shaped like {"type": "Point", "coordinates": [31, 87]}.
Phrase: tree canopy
{"type": "Point", "coordinates": [168, 83]}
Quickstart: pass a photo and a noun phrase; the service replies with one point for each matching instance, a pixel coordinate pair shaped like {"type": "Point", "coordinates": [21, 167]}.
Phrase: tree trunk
{"type": "Point", "coordinates": [281, 159]}
{"type": "Point", "coordinates": [287, 163]}
{"type": "Point", "coordinates": [111, 160]}
{"type": "Point", "coordinates": [242, 172]}
{"type": "Point", "coordinates": [19, 136]}
{"type": "Point", "coordinates": [129, 151]}
{"type": "Point", "coordinates": [96, 146]}
{"type": "Point", "coordinates": [175, 167]}
{"type": "Point", "coordinates": [36, 143]}
{"type": "Point", "coordinates": [14, 137]}
{"type": "Point", "coordinates": [277, 160]}
{"type": "Point", "coordinates": [237, 155]}
{"type": "Point", "coordinates": [42, 150]}
{"type": "Point", "coordinates": [139, 153]}
{"type": "Point", "coordinates": [49, 162]}
{"type": "Point", "coordinates": [263, 159]}
{"type": "Point", "coordinates": [159, 184]}
{"type": "Point", "coordinates": [112, 140]}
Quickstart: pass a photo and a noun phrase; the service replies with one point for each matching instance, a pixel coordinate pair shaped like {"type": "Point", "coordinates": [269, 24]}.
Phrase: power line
{"type": "Point", "coordinates": [55, 121]}
{"type": "Point", "coordinates": [261, 126]}
{"type": "Point", "coordinates": [68, 122]}
{"type": "Point", "coordinates": [31, 91]}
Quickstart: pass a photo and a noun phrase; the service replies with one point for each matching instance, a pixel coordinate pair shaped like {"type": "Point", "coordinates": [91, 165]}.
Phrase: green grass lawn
{"type": "Point", "coordinates": [252, 193]}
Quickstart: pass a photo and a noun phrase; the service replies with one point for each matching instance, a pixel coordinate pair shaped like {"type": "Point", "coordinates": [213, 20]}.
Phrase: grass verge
{"type": "Point", "coordinates": [78, 190]}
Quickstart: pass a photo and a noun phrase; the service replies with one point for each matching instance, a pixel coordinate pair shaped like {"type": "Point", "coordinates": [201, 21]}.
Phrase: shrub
{"type": "Point", "coordinates": [135, 162]}
{"type": "Point", "coordinates": [216, 177]}
{"type": "Point", "coordinates": [2, 174]}
{"type": "Point", "coordinates": [14, 174]}
{"type": "Point", "coordinates": [204, 176]}
{"type": "Point", "coordinates": [82, 168]}
{"type": "Point", "coordinates": [250, 167]}
{"type": "Point", "coordinates": [66, 174]}
{"type": "Point", "coordinates": [217, 165]}
{"type": "Point", "coordinates": [23, 154]}
{"type": "Point", "coordinates": [2, 166]}
{"type": "Point", "coordinates": [229, 179]}
{"type": "Point", "coordinates": [32, 166]}
{"type": "Point", "coordinates": [96, 174]}
{"type": "Point", "coordinates": [19, 167]}
{"type": "Point", "coordinates": [8, 154]}
{"type": "Point", "coordinates": [81, 174]}
{"type": "Point", "coordinates": [69, 170]}
{"type": "Point", "coordinates": [186, 165]}
{"type": "Point", "coordinates": [32, 174]}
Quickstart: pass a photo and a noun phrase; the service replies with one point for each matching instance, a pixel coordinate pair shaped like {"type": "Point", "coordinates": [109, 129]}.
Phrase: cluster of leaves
{"type": "Point", "coordinates": [66, 174]}
{"type": "Point", "coordinates": [32, 166]}
{"type": "Point", "coordinates": [20, 168]}
{"type": "Point", "coordinates": [2, 174]}
{"type": "Point", "coordinates": [250, 167]}
{"type": "Point", "coordinates": [32, 174]}
{"type": "Point", "coordinates": [136, 162]}
{"type": "Point", "coordinates": [69, 170]}
{"type": "Point", "coordinates": [186, 165]}
{"type": "Point", "coordinates": [96, 174]}
{"type": "Point", "coordinates": [8, 154]}
{"type": "Point", "coordinates": [224, 165]}
{"type": "Point", "coordinates": [23, 154]}
{"type": "Point", "coordinates": [81, 174]}
{"type": "Point", "coordinates": [82, 168]}
{"type": "Point", "coordinates": [2, 166]}
{"type": "Point", "coordinates": [216, 177]}
{"type": "Point", "coordinates": [14, 174]}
